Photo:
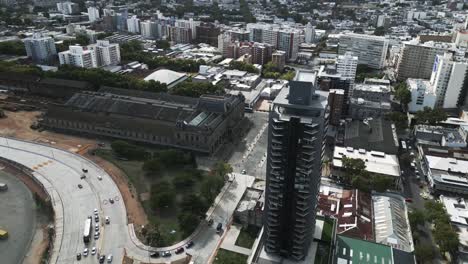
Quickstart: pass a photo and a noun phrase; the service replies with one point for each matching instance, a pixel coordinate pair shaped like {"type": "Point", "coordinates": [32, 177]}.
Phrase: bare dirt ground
{"type": "Point", "coordinates": [17, 125]}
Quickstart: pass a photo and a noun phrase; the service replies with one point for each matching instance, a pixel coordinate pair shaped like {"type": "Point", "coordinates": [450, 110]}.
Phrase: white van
{"type": "Point", "coordinates": [109, 259]}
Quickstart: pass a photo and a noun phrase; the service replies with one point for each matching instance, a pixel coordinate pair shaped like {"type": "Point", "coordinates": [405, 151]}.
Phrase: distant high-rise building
{"type": "Point", "coordinates": [346, 66]}
{"type": "Point", "coordinates": [278, 58]}
{"type": "Point", "coordinates": [336, 101]}
{"type": "Point", "coordinates": [448, 79]}
{"type": "Point", "coordinates": [208, 33]}
{"type": "Point", "coordinates": [150, 29]}
{"type": "Point", "coordinates": [416, 59]}
{"type": "Point", "coordinates": [68, 8]}
{"type": "Point", "coordinates": [261, 53]}
{"type": "Point", "coordinates": [106, 53]}
{"type": "Point", "coordinates": [309, 33]}
{"type": "Point", "coordinates": [78, 56]}
{"type": "Point", "coordinates": [93, 13]}
{"type": "Point", "coordinates": [188, 24]}
{"type": "Point", "coordinates": [133, 24]}
{"type": "Point", "coordinates": [180, 34]}
{"type": "Point", "coordinates": [224, 40]}
{"type": "Point", "coordinates": [370, 50]}
{"type": "Point", "coordinates": [298, 123]}
{"type": "Point", "coordinates": [281, 38]}
{"type": "Point", "coordinates": [40, 49]}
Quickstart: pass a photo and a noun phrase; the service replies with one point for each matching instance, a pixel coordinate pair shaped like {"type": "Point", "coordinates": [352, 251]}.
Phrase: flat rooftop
{"type": "Point", "coordinates": [376, 161]}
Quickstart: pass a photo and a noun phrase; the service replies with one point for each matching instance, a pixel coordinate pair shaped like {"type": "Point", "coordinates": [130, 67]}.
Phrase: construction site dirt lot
{"type": "Point", "coordinates": [18, 125]}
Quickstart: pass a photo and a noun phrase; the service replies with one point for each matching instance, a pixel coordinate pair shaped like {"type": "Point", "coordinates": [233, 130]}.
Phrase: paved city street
{"type": "Point", "coordinates": [250, 153]}
{"type": "Point", "coordinates": [60, 173]}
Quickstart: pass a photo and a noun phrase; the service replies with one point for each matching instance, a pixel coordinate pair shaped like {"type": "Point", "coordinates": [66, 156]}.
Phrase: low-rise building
{"type": "Point", "coordinates": [422, 95]}
{"type": "Point", "coordinates": [249, 211]}
{"type": "Point", "coordinates": [196, 124]}
{"type": "Point", "coordinates": [377, 163]}
{"type": "Point", "coordinates": [168, 77]}
{"type": "Point", "coordinates": [362, 109]}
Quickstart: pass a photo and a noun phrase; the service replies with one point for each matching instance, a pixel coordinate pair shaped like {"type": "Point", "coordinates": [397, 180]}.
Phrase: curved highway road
{"type": "Point", "coordinates": [60, 172]}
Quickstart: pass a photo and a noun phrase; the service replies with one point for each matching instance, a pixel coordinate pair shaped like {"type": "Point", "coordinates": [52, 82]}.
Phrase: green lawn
{"type": "Point", "coordinates": [166, 219]}
{"type": "Point", "coordinates": [247, 237]}
{"type": "Point", "coordinates": [229, 257]}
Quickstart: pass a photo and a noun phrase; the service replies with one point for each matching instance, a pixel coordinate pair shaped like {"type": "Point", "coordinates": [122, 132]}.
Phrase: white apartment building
{"type": "Point", "coordinates": [346, 66]}
{"type": "Point", "coordinates": [309, 33]}
{"type": "Point", "coordinates": [447, 78]}
{"type": "Point", "coordinates": [371, 50]}
{"type": "Point", "coordinates": [133, 24]}
{"type": "Point", "coordinates": [78, 56]}
{"type": "Point", "coordinates": [106, 53]}
{"type": "Point", "coordinates": [68, 8]}
{"type": "Point", "coordinates": [39, 48]}
{"type": "Point", "coordinates": [93, 13]}
{"type": "Point", "coordinates": [150, 29]}
{"type": "Point", "coordinates": [191, 24]}
{"type": "Point", "coordinates": [422, 95]}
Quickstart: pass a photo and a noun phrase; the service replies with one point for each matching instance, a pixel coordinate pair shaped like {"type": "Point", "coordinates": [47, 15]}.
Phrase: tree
{"type": "Point", "coordinates": [416, 218]}
{"type": "Point", "coordinates": [188, 222]}
{"type": "Point", "coordinates": [129, 151]}
{"type": "Point", "coordinates": [183, 180]}
{"type": "Point", "coordinates": [221, 169]}
{"type": "Point", "coordinates": [353, 168]}
{"type": "Point", "coordinates": [163, 44]}
{"type": "Point", "coordinates": [162, 195]}
{"type": "Point", "coordinates": [210, 188]}
{"type": "Point", "coordinates": [194, 204]}
{"type": "Point", "coordinates": [131, 46]}
{"type": "Point", "coordinates": [430, 116]}
{"type": "Point", "coordinates": [425, 253]}
{"type": "Point", "coordinates": [380, 31]}
{"type": "Point", "coordinates": [242, 66]}
{"type": "Point", "coordinates": [398, 118]}
{"type": "Point", "coordinates": [153, 235]}
{"type": "Point", "coordinates": [12, 48]}
{"type": "Point", "coordinates": [446, 237]}
{"type": "Point", "coordinates": [197, 89]}
{"type": "Point", "coordinates": [403, 94]}
{"type": "Point", "coordinates": [152, 166]}
{"type": "Point", "coordinates": [381, 183]}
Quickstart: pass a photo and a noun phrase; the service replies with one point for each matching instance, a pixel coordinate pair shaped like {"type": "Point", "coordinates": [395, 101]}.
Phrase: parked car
{"type": "Point", "coordinates": [408, 200]}
{"type": "Point", "coordinates": [155, 255]}
{"type": "Point", "coordinates": [166, 254]}
{"type": "Point", "coordinates": [219, 228]}
{"type": "Point", "coordinates": [85, 252]}
{"type": "Point", "coordinates": [189, 244]}
{"type": "Point", "coordinates": [107, 220]}
{"type": "Point", "coordinates": [179, 250]}
{"type": "Point", "coordinates": [78, 256]}
{"type": "Point", "coordinates": [109, 259]}
{"type": "Point", "coordinates": [80, 186]}
{"type": "Point", "coordinates": [102, 258]}
{"type": "Point", "coordinates": [111, 200]}
{"type": "Point", "coordinates": [93, 251]}
{"type": "Point", "coordinates": [84, 170]}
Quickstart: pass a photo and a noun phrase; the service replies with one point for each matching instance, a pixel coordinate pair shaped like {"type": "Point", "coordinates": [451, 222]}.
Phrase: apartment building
{"type": "Point", "coordinates": [370, 50]}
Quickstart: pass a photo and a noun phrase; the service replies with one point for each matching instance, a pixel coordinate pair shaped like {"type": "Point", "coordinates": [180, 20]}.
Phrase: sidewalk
{"type": "Point", "coordinates": [229, 242]}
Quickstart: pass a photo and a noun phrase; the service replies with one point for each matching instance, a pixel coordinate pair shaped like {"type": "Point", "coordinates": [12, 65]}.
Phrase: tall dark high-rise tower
{"type": "Point", "coordinates": [297, 125]}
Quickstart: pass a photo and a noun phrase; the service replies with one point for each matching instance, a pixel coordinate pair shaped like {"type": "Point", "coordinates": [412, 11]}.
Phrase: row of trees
{"type": "Point", "coordinates": [355, 174]}
{"type": "Point", "coordinates": [242, 66]}
{"type": "Point", "coordinates": [272, 71]}
{"type": "Point", "coordinates": [403, 94]}
{"type": "Point", "coordinates": [12, 48]}
{"type": "Point", "coordinates": [444, 234]}
{"type": "Point", "coordinates": [134, 51]}
{"type": "Point", "coordinates": [196, 89]}
{"type": "Point", "coordinates": [98, 77]}
{"type": "Point", "coordinates": [430, 116]}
